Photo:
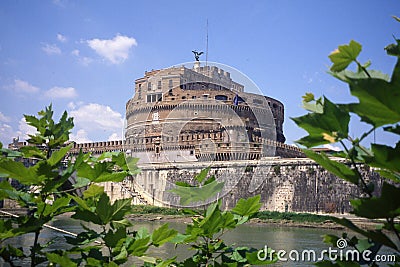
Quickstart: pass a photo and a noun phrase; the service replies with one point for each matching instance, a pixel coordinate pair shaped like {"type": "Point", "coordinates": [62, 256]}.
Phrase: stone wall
{"type": "Point", "coordinates": [297, 185]}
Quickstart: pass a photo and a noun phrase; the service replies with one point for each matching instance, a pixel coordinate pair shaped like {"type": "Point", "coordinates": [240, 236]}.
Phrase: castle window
{"type": "Point", "coordinates": [221, 97]}
{"type": "Point", "coordinates": [159, 85]}
{"type": "Point", "coordinates": [170, 84]}
{"type": "Point", "coordinates": [140, 91]}
{"type": "Point", "coordinates": [154, 97]}
{"type": "Point", "coordinates": [193, 97]}
{"type": "Point", "coordinates": [183, 97]}
{"type": "Point", "coordinates": [191, 152]}
{"type": "Point", "coordinates": [149, 86]}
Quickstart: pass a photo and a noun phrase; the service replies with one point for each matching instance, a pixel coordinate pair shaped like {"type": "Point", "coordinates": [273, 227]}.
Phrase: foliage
{"type": "Point", "coordinates": [292, 216]}
{"type": "Point", "coordinates": [204, 235]}
{"type": "Point", "coordinates": [206, 189]}
{"type": "Point", "coordinates": [146, 209]}
{"type": "Point", "coordinates": [52, 183]}
{"type": "Point", "coordinates": [326, 123]}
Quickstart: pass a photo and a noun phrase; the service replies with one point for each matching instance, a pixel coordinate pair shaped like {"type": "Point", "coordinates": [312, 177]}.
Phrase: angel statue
{"type": "Point", "coordinates": [197, 54]}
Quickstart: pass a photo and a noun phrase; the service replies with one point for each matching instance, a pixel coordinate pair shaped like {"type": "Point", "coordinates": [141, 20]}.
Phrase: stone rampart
{"type": "Point", "coordinates": [298, 185]}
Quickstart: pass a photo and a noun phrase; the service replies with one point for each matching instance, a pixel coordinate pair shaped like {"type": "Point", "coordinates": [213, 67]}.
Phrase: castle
{"type": "Point", "coordinates": [185, 118]}
{"type": "Point", "coordinates": [183, 114]}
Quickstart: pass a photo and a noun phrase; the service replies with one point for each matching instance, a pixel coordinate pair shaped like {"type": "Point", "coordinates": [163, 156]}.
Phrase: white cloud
{"type": "Point", "coordinates": [97, 117]}
{"type": "Point", "coordinates": [80, 137]}
{"type": "Point", "coordinates": [24, 87]}
{"type": "Point", "coordinates": [24, 129]}
{"type": "Point", "coordinates": [51, 49]}
{"type": "Point", "coordinates": [6, 134]}
{"type": "Point", "coordinates": [4, 118]}
{"type": "Point", "coordinates": [83, 60]}
{"type": "Point", "coordinates": [61, 92]}
{"type": "Point", "coordinates": [114, 50]}
{"type": "Point", "coordinates": [71, 105]}
{"type": "Point", "coordinates": [61, 38]}
{"type": "Point", "coordinates": [114, 137]}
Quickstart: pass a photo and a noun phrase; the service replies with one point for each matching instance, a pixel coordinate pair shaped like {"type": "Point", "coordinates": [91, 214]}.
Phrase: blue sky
{"type": "Point", "coordinates": [83, 56]}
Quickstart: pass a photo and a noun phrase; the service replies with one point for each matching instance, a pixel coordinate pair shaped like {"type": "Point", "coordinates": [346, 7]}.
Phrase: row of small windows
{"type": "Point", "coordinates": [159, 85]}
{"type": "Point", "coordinates": [158, 97]}
{"type": "Point", "coordinates": [154, 97]}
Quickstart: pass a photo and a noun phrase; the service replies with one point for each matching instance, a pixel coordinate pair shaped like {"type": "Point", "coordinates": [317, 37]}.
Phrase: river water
{"type": "Point", "coordinates": [257, 236]}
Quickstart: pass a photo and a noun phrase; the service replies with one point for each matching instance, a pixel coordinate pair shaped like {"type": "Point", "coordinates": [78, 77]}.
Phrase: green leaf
{"type": "Point", "coordinates": [310, 104]}
{"type": "Point", "coordinates": [163, 235]}
{"type": "Point", "coordinates": [81, 182]}
{"type": "Point", "coordinates": [337, 168]}
{"type": "Point", "coordinates": [93, 191]}
{"type": "Point", "coordinates": [376, 235]}
{"type": "Point", "coordinates": [363, 244]}
{"type": "Point", "coordinates": [330, 126]}
{"type": "Point", "coordinates": [385, 157]}
{"type": "Point", "coordinates": [385, 206]}
{"type": "Point", "coordinates": [113, 237]}
{"type": "Point", "coordinates": [389, 175]}
{"type": "Point", "coordinates": [18, 171]}
{"type": "Point", "coordinates": [9, 252]}
{"type": "Point", "coordinates": [344, 55]}
{"type": "Point", "coordinates": [58, 155]}
{"type": "Point", "coordinates": [143, 232]}
{"type": "Point", "coordinates": [253, 258]}
{"type": "Point", "coordinates": [32, 121]}
{"type": "Point", "coordinates": [202, 175]}
{"type": "Point", "coordinates": [104, 209]}
{"type": "Point", "coordinates": [331, 239]}
{"type": "Point", "coordinates": [166, 263]}
{"type": "Point", "coordinates": [213, 221]}
{"type": "Point", "coordinates": [101, 172]}
{"type": "Point", "coordinates": [393, 129]}
{"type": "Point", "coordinates": [62, 260]}
{"type": "Point", "coordinates": [122, 256]}
{"type": "Point", "coordinates": [83, 238]}
{"type": "Point", "coordinates": [138, 247]}
{"type": "Point", "coordinates": [82, 204]}
{"type": "Point", "coordinates": [183, 184]}
{"type": "Point", "coordinates": [57, 207]}
{"type": "Point", "coordinates": [308, 97]}
{"type": "Point", "coordinates": [32, 152]}
{"type": "Point", "coordinates": [378, 101]}
{"type": "Point", "coordinates": [195, 194]}
{"type": "Point", "coordinates": [247, 207]}
{"type": "Point", "coordinates": [347, 76]}
{"type": "Point", "coordinates": [393, 49]}
{"type": "Point", "coordinates": [120, 208]}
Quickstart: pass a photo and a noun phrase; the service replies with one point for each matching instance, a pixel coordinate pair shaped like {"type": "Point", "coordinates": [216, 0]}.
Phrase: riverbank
{"type": "Point", "coordinates": [284, 219]}
{"type": "Point", "coordinates": [255, 221]}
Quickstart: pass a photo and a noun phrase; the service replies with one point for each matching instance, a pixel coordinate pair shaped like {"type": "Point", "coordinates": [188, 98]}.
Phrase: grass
{"type": "Point", "coordinates": [263, 215]}
{"type": "Point", "coordinates": [292, 216]}
{"type": "Point", "coordinates": [144, 209]}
